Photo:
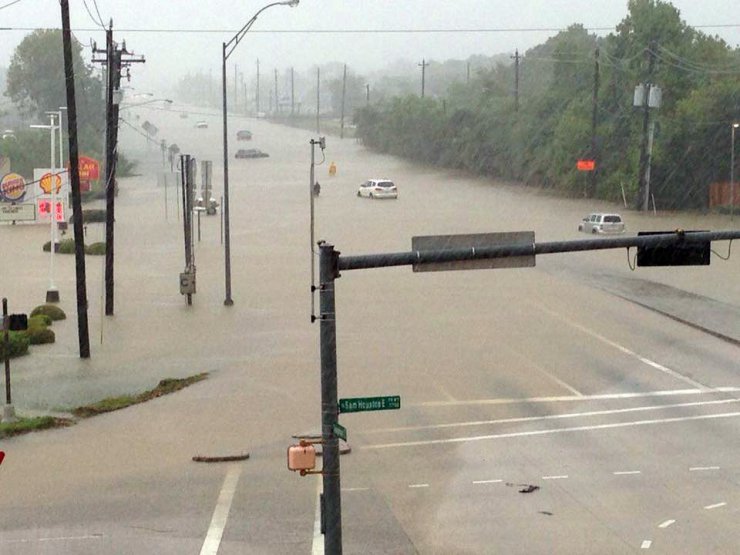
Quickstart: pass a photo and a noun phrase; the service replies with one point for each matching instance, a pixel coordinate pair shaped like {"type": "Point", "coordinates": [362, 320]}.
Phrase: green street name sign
{"type": "Point", "coordinates": [340, 431]}
{"type": "Point", "coordinates": [361, 404]}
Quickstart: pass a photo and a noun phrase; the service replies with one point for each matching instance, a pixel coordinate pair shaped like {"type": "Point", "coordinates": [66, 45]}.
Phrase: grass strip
{"type": "Point", "coordinates": [25, 425]}
{"type": "Point", "coordinates": [165, 387]}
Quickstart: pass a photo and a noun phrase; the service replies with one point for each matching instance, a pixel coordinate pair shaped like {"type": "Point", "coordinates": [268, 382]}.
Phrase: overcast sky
{"type": "Point", "coordinates": [174, 35]}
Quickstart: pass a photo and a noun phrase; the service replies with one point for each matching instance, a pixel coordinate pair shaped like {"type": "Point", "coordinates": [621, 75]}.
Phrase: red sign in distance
{"type": "Point", "coordinates": [2, 456]}
{"type": "Point", "coordinates": [586, 165]}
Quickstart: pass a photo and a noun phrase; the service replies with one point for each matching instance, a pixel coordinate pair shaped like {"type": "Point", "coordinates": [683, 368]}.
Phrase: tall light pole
{"type": "Point", "coordinates": [58, 113]}
{"type": "Point", "coordinates": [732, 172]}
{"type": "Point", "coordinates": [52, 294]}
{"type": "Point", "coordinates": [228, 48]}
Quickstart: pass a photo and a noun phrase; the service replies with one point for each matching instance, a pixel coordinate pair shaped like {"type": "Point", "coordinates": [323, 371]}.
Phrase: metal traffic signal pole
{"type": "Point", "coordinates": [332, 500]}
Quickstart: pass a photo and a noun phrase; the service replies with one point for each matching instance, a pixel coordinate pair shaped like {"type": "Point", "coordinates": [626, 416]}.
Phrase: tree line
{"type": "Point", "coordinates": [573, 99]}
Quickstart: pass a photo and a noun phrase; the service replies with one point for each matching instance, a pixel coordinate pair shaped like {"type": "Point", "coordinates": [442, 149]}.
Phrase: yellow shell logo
{"type": "Point", "coordinates": [45, 183]}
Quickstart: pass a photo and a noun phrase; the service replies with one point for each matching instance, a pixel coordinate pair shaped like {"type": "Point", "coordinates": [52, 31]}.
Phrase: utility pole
{"type": "Point", "coordinates": [643, 194]}
{"type": "Point", "coordinates": [83, 334]}
{"type": "Point", "coordinates": [235, 84]}
{"type": "Point", "coordinates": [467, 73]}
{"type": "Point", "coordinates": [257, 99]}
{"type": "Point", "coordinates": [594, 122]}
{"type": "Point", "coordinates": [515, 57]}
{"type": "Point", "coordinates": [423, 65]}
{"type": "Point", "coordinates": [318, 98]}
{"type": "Point", "coordinates": [344, 94]}
{"type": "Point", "coordinates": [292, 92]}
{"type": "Point", "coordinates": [114, 61]}
{"type": "Point", "coordinates": [367, 94]}
{"type": "Point", "coordinates": [277, 99]}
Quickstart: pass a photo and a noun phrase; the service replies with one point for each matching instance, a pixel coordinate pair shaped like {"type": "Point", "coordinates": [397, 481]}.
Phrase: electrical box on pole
{"type": "Point", "coordinates": [684, 253]}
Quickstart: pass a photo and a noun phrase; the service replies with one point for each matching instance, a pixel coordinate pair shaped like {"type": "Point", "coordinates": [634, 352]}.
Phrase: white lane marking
{"type": "Point", "coordinates": [418, 485]}
{"type": "Point", "coordinates": [487, 481]}
{"type": "Point", "coordinates": [355, 489]}
{"type": "Point", "coordinates": [221, 512]}
{"type": "Point", "coordinates": [55, 539]}
{"type": "Point", "coordinates": [568, 398]}
{"type": "Point", "coordinates": [561, 477]}
{"type": "Point", "coordinates": [317, 547]}
{"type": "Point", "coordinates": [550, 416]}
{"type": "Point", "coordinates": [541, 370]}
{"type": "Point", "coordinates": [548, 432]}
{"type": "Point", "coordinates": [699, 468]}
{"type": "Point", "coordinates": [646, 544]}
{"type": "Point", "coordinates": [626, 351]}
{"type": "Point", "coordinates": [626, 472]}
{"type": "Point", "coordinates": [666, 523]}
{"type": "Point", "coordinates": [715, 506]}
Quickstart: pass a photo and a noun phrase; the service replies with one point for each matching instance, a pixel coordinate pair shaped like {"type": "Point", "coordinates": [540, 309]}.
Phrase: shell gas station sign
{"type": "Point", "coordinates": [45, 182]}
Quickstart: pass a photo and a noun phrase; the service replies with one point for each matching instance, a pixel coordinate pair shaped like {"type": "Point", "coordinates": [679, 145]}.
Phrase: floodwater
{"type": "Point", "coordinates": [154, 334]}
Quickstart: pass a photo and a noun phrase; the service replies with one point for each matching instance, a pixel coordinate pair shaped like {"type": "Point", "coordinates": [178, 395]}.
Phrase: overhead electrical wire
{"type": "Point", "coordinates": [9, 4]}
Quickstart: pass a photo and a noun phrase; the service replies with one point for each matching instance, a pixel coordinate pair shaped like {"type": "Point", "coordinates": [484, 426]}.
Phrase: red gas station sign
{"type": "Point", "coordinates": [89, 168]}
{"type": "Point", "coordinates": [44, 209]}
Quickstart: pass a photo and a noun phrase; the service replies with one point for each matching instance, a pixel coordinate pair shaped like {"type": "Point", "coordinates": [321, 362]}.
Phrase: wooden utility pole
{"type": "Point", "coordinates": [641, 202]}
{"type": "Point", "coordinates": [318, 98]}
{"type": "Point", "coordinates": [74, 169]}
{"type": "Point", "coordinates": [423, 65]}
{"type": "Point", "coordinates": [114, 61]}
{"type": "Point", "coordinates": [344, 94]}
{"type": "Point", "coordinates": [516, 80]}
{"type": "Point", "coordinates": [277, 98]}
{"type": "Point", "coordinates": [594, 123]}
{"type": "Point", "coordinates": [257, 92]}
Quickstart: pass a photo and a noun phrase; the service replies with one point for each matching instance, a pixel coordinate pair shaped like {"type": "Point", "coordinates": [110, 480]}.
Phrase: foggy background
{"type": "Point", "coordinates": [184, 37]}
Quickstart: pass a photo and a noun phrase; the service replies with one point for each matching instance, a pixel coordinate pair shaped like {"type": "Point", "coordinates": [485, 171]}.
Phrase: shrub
{"type": "Point", "coordinates": [50, 310]}
{"type": "Point", "coordinates": [39, 321]}
{"type": "Point", "coordinates": [17, 345]}
{"type": "Point", "coordinates": [95, 249]}
{"type": "Point", "coordinates": [40, 336]}
{"type": "Point", "coordinates": [66, 246]}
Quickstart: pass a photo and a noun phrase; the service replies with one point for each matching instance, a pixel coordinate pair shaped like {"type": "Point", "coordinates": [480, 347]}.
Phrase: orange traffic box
{"type": "Point", "coordinates": [301, 457]}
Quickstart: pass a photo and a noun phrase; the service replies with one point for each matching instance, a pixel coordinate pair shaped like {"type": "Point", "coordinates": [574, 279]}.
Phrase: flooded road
{"type": "Point", "coordinates": [518, 376]}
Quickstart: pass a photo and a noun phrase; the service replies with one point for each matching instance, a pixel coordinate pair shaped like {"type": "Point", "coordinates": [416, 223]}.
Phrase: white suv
{"type": "Point", "coordinates": [602, 223]}
{"type": "Point", "coordinates": [378, 188]}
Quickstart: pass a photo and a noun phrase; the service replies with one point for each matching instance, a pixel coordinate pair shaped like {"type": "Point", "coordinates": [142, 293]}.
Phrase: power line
{"type": "Point", "coordinates": [97, 22]}
{"type": "Point", "coordinates": [365, 31]}
{"type": "Point", "coordinates": [9, 4]}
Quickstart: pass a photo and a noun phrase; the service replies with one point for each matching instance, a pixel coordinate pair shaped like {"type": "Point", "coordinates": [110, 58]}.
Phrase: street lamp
{"type": "Point", "coordinates": [732, 172]}
{"type": "Point", "coordinates": [52, 294]}
{"type": "Point", "coordinates": [228, 48]}
{"type": "Point", "coordinates": [58, 113]}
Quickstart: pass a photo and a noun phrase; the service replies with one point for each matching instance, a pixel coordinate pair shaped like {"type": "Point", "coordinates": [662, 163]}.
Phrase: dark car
{"type": "Point", "coordinates": [250, 153]}
{"type": "Point", "coordinates": [243, 135]}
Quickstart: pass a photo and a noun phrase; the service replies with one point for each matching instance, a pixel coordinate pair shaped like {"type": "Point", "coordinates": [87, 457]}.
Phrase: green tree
{"type": "Point", "coordinates": [36, 80]}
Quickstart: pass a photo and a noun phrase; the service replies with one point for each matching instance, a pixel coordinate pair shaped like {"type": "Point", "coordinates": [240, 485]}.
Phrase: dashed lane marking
{"type": "Point", "coordinates": [626, 472]}
{"type": "Point", "coordinates": [560, 477]}
{"type": "Point", "coordinates": [700, 468]}
{"type": "Point", "coordinates": [418, 485]}
{"type": "Point", "coordinates": [715, 506]}
{"type": "Point", "coordinates": [666, 524]}
{"type": "Point", "coordinates": [646, 544]}
{"type": "Point", "coordinates": [487, 481]}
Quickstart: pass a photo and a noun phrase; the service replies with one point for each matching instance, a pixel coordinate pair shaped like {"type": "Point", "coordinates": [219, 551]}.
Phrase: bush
{"type": "Point", "coordinates": [67, 246]}
{"type": "Point", "coordinates": [95, 249]}
{"type": "Point", "coordinates": [40, 336]}
{"type": "Point", "coordinates": [50, 310]}
{"type": "Point", "coordinates": [39, 321]}
{"type": "Point", "coordinates": [17, 345]}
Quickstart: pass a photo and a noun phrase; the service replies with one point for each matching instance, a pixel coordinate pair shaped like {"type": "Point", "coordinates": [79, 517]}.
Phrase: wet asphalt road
{"type": "Point", "coordinates": [625, 419]}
